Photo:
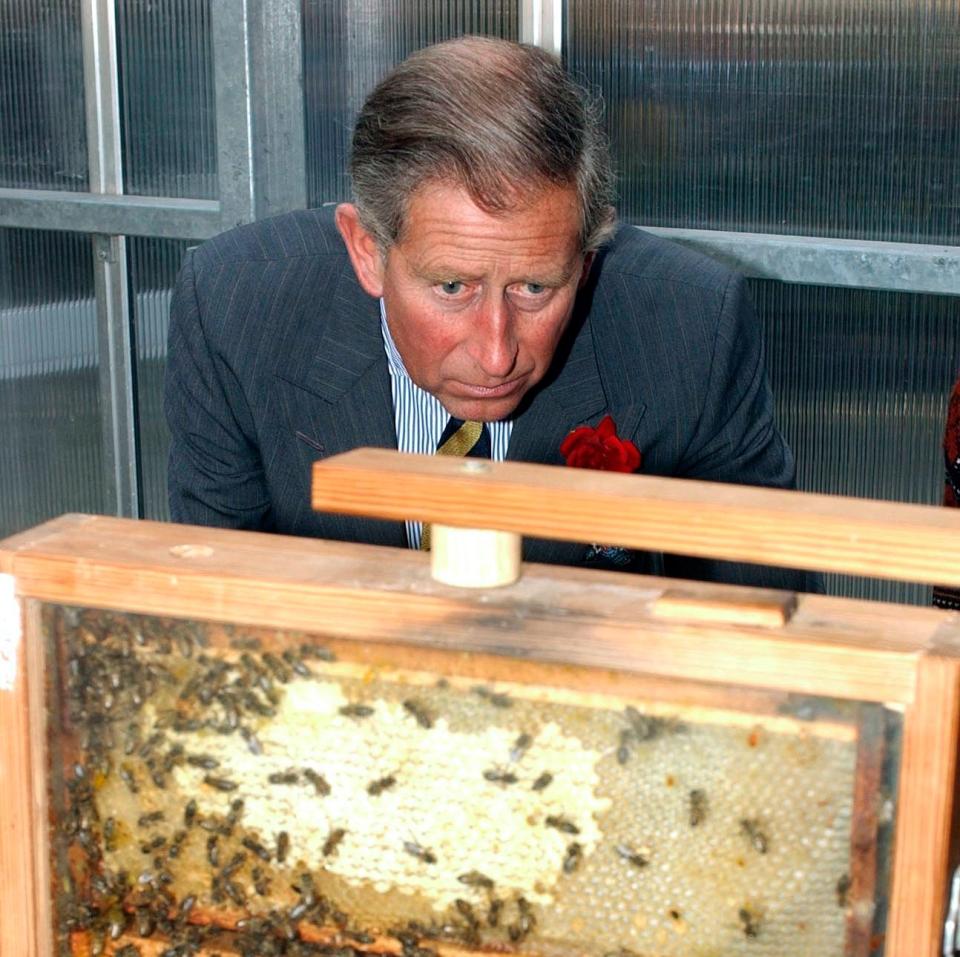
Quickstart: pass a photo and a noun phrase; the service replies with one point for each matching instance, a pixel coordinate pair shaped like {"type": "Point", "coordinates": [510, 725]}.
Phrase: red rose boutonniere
{"type": "Point", "coordinates": [601, 448]}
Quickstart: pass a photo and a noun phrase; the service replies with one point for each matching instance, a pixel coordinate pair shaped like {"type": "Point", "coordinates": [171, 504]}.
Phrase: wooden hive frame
{"type": "Point", "coordinates": [630, 632]}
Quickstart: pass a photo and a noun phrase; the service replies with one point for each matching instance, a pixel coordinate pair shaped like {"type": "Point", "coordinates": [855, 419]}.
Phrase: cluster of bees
{"type": "Point", "coordinates": [116, 665]}
{"type": "Point", "coordinates": [109, 682]}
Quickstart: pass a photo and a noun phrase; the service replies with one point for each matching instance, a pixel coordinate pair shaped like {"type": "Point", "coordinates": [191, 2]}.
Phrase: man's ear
{"type": "Point", "coordinates": [362, 248]}
{"type": "Point", "coordinates": [585, 269]}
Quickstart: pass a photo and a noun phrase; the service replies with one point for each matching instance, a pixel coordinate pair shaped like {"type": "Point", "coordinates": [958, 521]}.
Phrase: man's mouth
{"type": "Point", "coordinates": [471, 391]}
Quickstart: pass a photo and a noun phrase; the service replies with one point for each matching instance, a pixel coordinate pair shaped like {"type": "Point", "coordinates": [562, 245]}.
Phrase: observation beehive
{"type": "Point", "coordinates": [256, 745]}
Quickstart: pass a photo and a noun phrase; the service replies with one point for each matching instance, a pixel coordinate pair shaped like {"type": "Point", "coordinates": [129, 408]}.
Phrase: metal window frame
{"type": "Point", "coordinates": [808, 260]}
{"type": "Point", "coordinates": [262, 171]}
{"type": "Point", "coordinates": [262, 166]}
{"type": "Point", "coordinates": [111, 281]}
{"type": "Point", "coordinates": [541, 24]}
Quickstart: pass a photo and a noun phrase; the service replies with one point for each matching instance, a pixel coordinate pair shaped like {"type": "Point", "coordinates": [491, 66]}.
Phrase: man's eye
{"type": "Point", "coordinates": [451, 287]}
{"type": "Point", "coordinates": [534, 288]}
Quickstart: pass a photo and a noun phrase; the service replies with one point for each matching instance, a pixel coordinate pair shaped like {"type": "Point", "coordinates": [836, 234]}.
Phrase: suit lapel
{"type": "Point", "coordinates": [341, 398]}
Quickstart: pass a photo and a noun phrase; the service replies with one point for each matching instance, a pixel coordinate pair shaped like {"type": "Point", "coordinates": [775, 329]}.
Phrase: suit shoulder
{"type": "Point", "coordinates": [307, 233]}
{"type": "Point", "coordinates": [640, 255]}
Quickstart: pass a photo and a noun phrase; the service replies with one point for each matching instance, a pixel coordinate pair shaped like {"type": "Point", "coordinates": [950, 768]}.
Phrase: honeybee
{"type": "Point", "coordinates": [758, 839]}
{"type": "Point", "coordinates": [465, 909]}
{"type": "Point", "coordinates": [280, 671]}
{"type": "Point", "coordinates": [318, 781]}
{"type": "Point", "coordinates": [627, 853]}
{"type": "Point", "coordinates": [235, 893]}
{"type": "Point", "coordinates": [296, 664]}
{"type": "Point", "coordinates": [496, 698]}
{"type": "Point", "coordinates": [221, 784]}
{"type": "Point", "coordinates": [333, 840]}
{"type": "Point", "coordinates": [573, 857]}
{"type": "Point", "coordinates": [145, 820]}
{"type": "Point", "coordinates": [254, 845]}
{"type": "Point", "coordinates": [416, 710]}
{"type": "Point", "coordinates": [381, 785]}
{"type": "Point", "coordinates": [420, 852]}
{"type": "Point", "coordinates": [524, 923]}
{"type": "Point", "coordinates": [542, 781]}
{"type": "Point", "coordinates": [562, 824]}
{"type": "Point", "coordinates": [843, 888]}
{"type": "Point", "coordinates": [520, 746]}
{"type": "Point", "coordinates": [283, 777]}
{"type": "Point", "coordinates": [476, 879]}
{"type": "Point", "coordinates": [283, 846]}
{"type": "Point", "coordinates": [698, 806]}
{"type": "Point", "coordinates": [750, 921]}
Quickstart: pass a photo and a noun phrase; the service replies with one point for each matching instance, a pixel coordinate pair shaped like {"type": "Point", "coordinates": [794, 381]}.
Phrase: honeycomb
{"type": "Point", "coordinates": [211, 781]}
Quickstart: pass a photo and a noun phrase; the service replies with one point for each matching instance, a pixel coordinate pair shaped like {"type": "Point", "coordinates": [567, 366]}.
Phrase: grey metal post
{"type": "Point", "coordinates": [367, 55]}
{"type": "Point", "coordinates": [279, 143]}
{"type": "Point", "coordinates": [541, 23]}
{"type": "Point", "coordinates": [170, 217]}
{"type": "Point", "coordinates": [230, 26]}
{"type": "Point", "coordinates": [258, 81]}
{"type": "Point", "coordinates": [114, 338]}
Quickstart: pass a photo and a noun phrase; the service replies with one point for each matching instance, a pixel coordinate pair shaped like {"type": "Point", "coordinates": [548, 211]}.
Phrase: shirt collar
{"type": "Point", "coordinates": [394, 361]}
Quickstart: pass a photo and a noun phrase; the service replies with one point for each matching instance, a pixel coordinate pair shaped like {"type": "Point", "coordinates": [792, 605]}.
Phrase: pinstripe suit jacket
{"type": "Point", "coordinates": [276, 359]}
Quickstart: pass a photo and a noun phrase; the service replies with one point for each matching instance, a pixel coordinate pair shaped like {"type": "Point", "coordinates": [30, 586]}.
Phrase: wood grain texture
{"type": "Point", "coordinates": [837, 647]}
{"type": "Point", "coordinates": [32, 536]}
{"type": "Point", "coordinates": [770, 609]}
{"type": "Point", "coordinates": [925, 805]}
{"type": "Point", "coordinates": [862, 889]}
{"type": "Point", "coordinates": [25, 925]}
{"type": "Point", "coordinates": [770, 526]}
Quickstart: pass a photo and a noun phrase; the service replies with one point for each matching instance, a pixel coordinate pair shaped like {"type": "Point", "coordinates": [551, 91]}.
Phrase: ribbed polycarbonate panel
{"type": "Point", "coordinates": [821, 117]}
{"type": "Point", "coordinates": [350, 44]}
{"type": "Point", "coordinates": [43, 142]}
{"type": "Point", "coordinates": [153, 270]}
{"type": "Point", "coordinates": [168, 115]}
{"type": "Point", "coordinates": [862, 380]}
{"type": "Point", "coordinates": [50, 451]}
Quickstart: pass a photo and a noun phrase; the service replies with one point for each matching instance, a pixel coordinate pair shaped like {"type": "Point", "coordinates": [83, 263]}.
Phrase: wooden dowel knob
{"type": "Point", "coordinates": [474, 557]}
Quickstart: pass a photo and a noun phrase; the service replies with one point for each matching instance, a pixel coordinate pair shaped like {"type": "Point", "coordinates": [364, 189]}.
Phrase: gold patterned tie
{"type": "Point", "coordinates": [461, 443]}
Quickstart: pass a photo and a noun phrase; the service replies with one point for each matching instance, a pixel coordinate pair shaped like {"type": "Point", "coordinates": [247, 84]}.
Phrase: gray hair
{"type": "Point", "coordinates": [494, 117]}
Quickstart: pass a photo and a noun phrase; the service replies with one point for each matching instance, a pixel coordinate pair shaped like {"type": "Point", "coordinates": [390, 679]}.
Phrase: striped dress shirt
{"type": "Point", "coordinates": [420, 418]}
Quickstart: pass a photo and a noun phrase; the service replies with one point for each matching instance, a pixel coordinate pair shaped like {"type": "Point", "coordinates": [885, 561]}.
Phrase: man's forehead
{"type": "Point", "coordinates": [446, 228]}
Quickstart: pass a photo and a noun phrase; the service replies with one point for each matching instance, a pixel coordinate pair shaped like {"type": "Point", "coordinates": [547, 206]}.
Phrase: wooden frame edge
{"type": "Point", "coordinates": [25, 919]}
{"type": "Point", "coordinates": [917, 543]}
{"type": "Point", "coordinates": [925, 810]}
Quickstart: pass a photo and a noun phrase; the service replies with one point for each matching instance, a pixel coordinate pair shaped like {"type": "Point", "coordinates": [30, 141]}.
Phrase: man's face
{"type": "Point", "coordinates": [477, 303]}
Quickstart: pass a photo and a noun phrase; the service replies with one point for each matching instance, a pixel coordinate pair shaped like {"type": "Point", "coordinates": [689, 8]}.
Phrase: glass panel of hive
{"type": "Point", "coordinates": [257, 791]}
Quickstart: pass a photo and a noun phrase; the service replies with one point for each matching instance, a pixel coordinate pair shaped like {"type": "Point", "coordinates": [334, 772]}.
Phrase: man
{"type": "Point", "coordinates": [479, 274]}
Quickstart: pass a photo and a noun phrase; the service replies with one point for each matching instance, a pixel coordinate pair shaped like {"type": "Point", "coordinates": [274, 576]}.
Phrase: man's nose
{"type": "Point", "coordinates": [493, 343]}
